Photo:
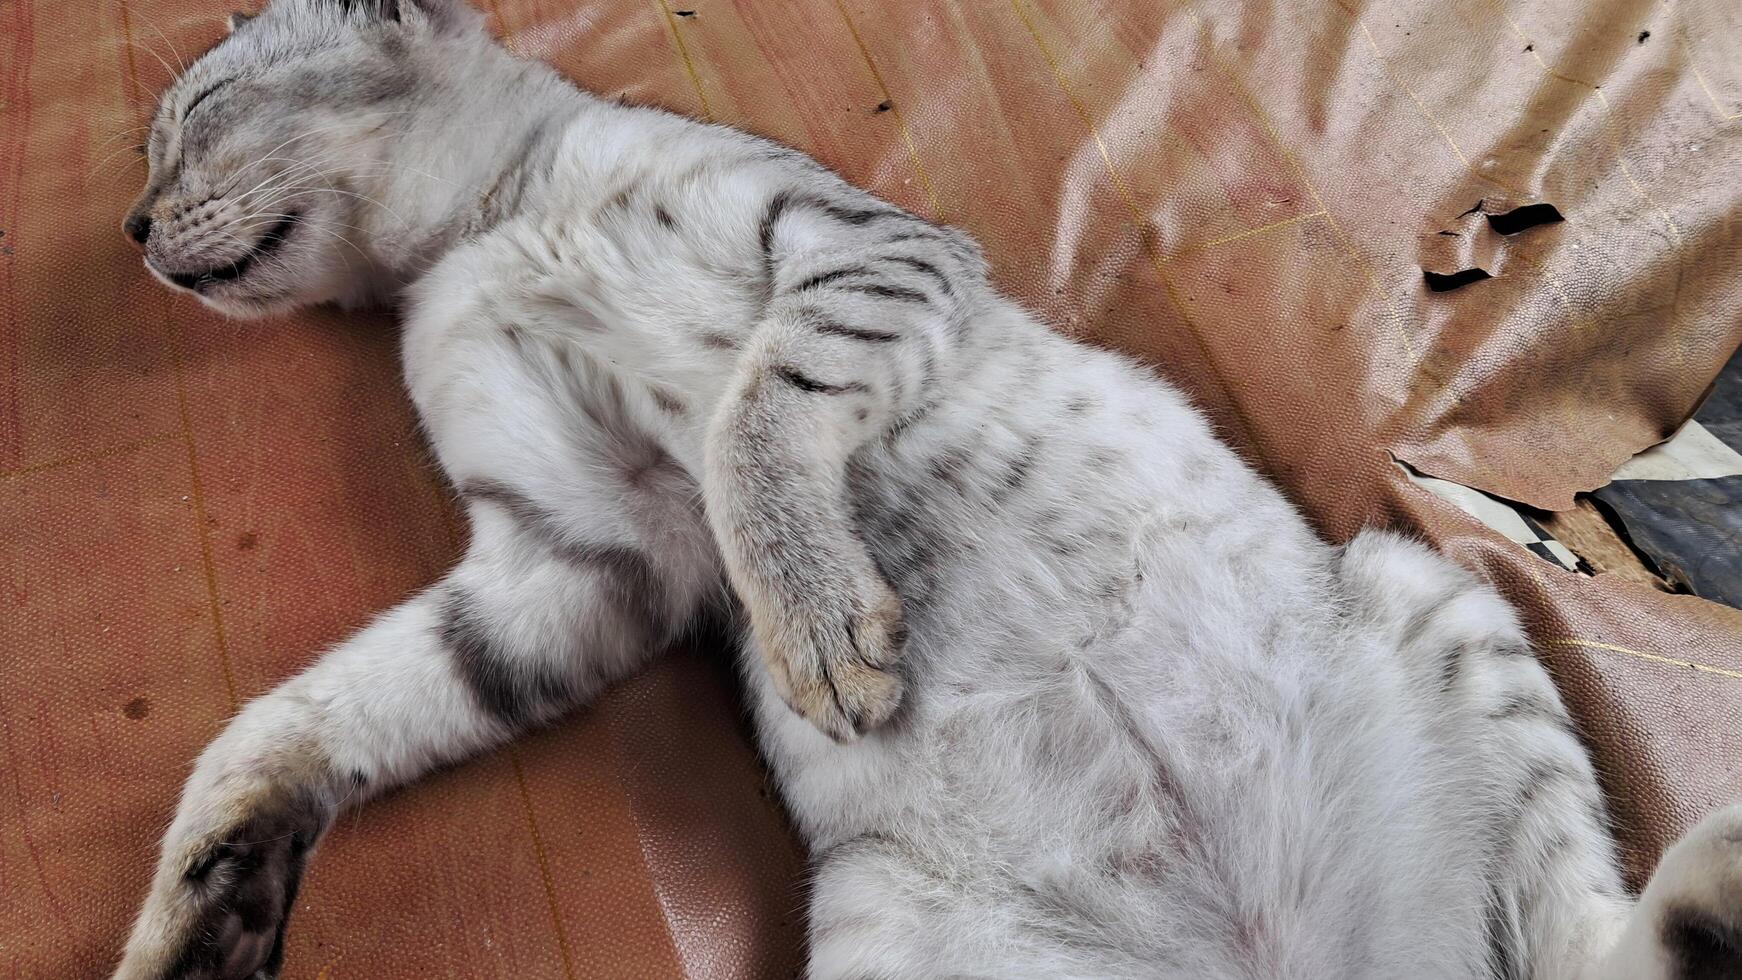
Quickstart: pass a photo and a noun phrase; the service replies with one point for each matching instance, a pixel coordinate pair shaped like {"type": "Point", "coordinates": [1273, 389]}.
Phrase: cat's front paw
{"type": "Point", "coordinates": [222, 895]}
{"type": "Point", "coordinates": [833, 656]}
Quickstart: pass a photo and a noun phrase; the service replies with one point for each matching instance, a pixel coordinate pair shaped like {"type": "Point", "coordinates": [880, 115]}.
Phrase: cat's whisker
{"type": "Point", "coordinates": [132, 138]}
{"type": "Point", "coordinates": [297, 166]}
{"type": "Point", "coordinates": [141, 45]}
{"type": "Point", "coordinates": [257, 219]}
{"type": "Point", "coordinates": [310, 167]}
{"type": "Point", "coordinates": [168, 43]}
{"type": "Point", "coordinates": [237, 240]}
{"type": "Point", "coordinates": [341, 124]}
{"type": "Point", "coordinates": [305, 134]}
{"type": "Point", "coordinates": [268, 184]}
{"type": "Point", "coordinates": [296, 170]}
{"type": "Point", "coordinates": [393, 169]}
{"type": "Point", "coordinates": [354, 247]}
{"type": "Point", "coordinates": [266, 219]}
{"type": "Point", "coordinates": [131, 131]}
{"type": "Point", "coordinates": [301, 191]}
{"type": "Point", "coordinates": [97, 169]}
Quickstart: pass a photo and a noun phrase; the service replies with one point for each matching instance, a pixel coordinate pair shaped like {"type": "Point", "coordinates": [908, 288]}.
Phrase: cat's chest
{"type": "Point", "coordinates": [607, 300]}
{"type": "Point", "coordinates": [647, 279]}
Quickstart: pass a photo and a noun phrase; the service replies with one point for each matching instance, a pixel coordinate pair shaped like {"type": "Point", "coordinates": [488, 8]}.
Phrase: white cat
{"type": "Point", "coordinates": [1053, 684]}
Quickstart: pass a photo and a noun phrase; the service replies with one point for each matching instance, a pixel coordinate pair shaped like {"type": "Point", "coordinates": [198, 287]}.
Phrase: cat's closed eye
{"type": "Point", "coordinates": [205, 94]}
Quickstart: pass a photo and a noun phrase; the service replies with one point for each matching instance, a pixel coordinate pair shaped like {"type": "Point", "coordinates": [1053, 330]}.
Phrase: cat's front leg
{"type": "Point", "coordinates": [841, 359]}
{"type": "Point", "coordinates": [828, 627]}
{"type": "Point", "coordinates": [826, 623]}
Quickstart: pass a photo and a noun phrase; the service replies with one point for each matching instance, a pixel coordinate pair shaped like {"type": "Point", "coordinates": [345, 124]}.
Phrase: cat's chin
{"type": "Point", "coordinates": [235, 297]}
{"type": "Point", "coordinates": [235, 300]}
{"type": "Point", "coordinates": [245, 307]}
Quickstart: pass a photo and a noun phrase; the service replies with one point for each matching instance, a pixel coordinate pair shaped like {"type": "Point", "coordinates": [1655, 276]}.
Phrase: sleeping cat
{"type": "Point", "coordinates": [1053, 684]}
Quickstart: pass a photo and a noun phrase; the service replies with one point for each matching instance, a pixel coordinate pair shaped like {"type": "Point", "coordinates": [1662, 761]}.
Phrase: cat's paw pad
{"type": "Point", "coordinates": [219, 906]}
{"type": "Point", "coordinates": [835, 663]}
{"type": "Point", "coordinates": [1695, 898]}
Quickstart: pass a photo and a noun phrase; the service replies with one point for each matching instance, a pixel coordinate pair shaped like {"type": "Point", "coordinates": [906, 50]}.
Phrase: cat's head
{"type": "Point", "coordinates": [264, 154]}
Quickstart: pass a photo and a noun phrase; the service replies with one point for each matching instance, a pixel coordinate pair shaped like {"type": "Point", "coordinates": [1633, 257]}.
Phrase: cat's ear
{"type": "Point", "coordinates": [239, 18]}
{"type": "Point", "coordinates": [374, 9]}
{"type": "Point", "coordinates": [382, 10]}
{"type": "Point", "coordinates": [441, 15]}
{"type": "Point", "coordinates": [445, 15]}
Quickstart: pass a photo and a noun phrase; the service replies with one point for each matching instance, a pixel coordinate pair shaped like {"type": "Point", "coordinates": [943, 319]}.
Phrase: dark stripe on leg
{"type": "Point", "coordinates": [515, 690]}
{"type": "Point", "coordinates": [835, 328]}
{"type": "Point", "coordinates": [925, 268]}
{"type": "Point", "coordinates": [777, 206]}
{"type": "Point", "coordinates": [667, 402]}
{"type": "Point", "coordinates": [1505, 939]}
{"type": "Point", "coordinates": [1700, 946]}
{"type": "Point", "coordinates": [824, 278]}
{"type": "Point", "coordinates": [885, 291]}
{"type": "Point", "coordinates": [1531, 705]}
{"type": "Point", "coordinates": [803, 382]}
{"type": "Point", "coordinates": [1451, 661]}
{"type": "Point", "coordinates": [635, 589]}
{"type": "Point", "coordinates": [518, 505]}
{"type": "Point", "coordinates": [714, 340]}
{"type": "Point", "coordinates": [853, 216]}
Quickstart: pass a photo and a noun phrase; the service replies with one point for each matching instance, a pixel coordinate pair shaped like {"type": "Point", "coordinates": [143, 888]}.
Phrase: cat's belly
{"type": "Point", "coordinates": [1183, 764]}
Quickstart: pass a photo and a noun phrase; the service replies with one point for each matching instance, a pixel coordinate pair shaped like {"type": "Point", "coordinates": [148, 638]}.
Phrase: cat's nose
{"type": "Point", "coordinates": [137, 227]}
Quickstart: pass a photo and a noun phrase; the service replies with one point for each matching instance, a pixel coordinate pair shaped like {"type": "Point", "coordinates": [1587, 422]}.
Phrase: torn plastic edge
{"type": "Point", "coordinates": [1577, 489]}
{"type": "Point", "coordinates": [1524, 218]}
{"type": "Point", "coordinates": [1441, 282]}
{"type": "Point", "coordinates": [1681, 426]}
{"type": "Point", "coordinates": [1533, 537]}
{"type": "Point", "coordinates": [1673, 578]}
{"type": "Point", "coordinates": [1548, 546]}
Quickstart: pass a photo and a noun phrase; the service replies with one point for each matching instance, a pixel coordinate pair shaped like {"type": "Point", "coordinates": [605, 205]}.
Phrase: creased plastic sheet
{"type": "Point", "coordinates": [1245, 195]}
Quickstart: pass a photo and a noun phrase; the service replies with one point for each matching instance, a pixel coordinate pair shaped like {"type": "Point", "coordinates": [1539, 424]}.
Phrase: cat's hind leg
{"type": "Point", "coordinates": [1525, 782]}
{"type": "Point", "coordinates": [545, 609]}
{"type": "Point", "coordinates": [1557, 910]}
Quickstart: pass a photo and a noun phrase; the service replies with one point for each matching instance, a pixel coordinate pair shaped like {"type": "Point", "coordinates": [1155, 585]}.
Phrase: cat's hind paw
{"type": "Point", "coordinates": [1699, 900]}
{"type": "Point", "coordinates": [1688, 925]}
